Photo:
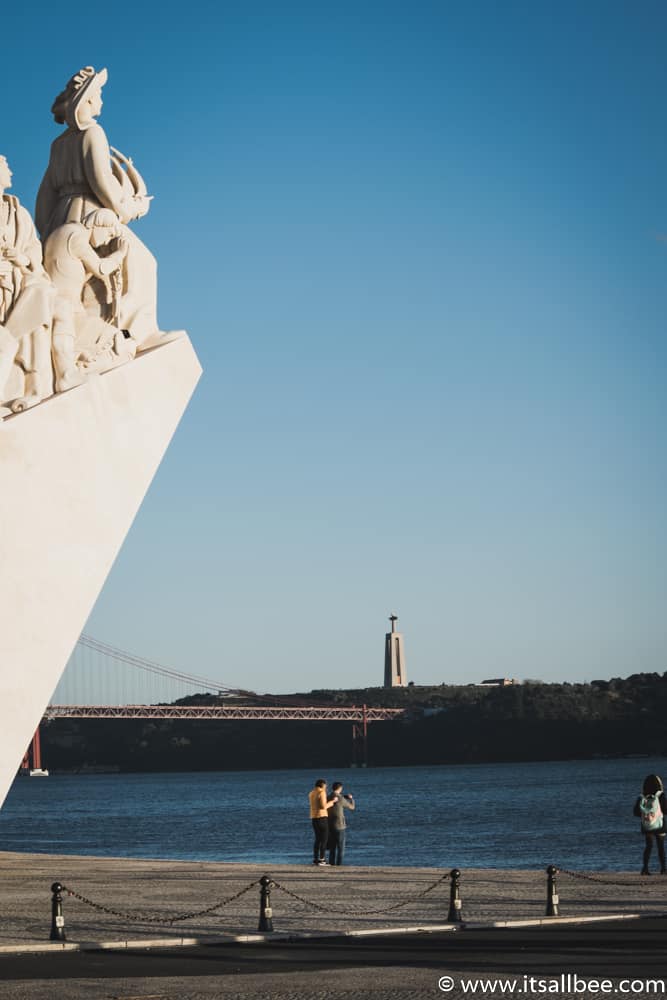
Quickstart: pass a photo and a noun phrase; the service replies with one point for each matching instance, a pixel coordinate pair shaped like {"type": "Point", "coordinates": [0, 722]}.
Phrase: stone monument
{"type": "Point", "coordinates": [394, 657]}
{"type": "Point", "coordinates": [91, 392]}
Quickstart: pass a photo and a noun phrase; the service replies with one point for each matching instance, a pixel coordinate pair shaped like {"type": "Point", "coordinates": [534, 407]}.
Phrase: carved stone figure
{"type": "Point", "coordinates": [92, 304]}
{"type": "Point", "coordinates": [82, 343]}
{"type": "Point", "coordinates": [26, 301]}
{"type": "Point", "coordinates": [84, 174]}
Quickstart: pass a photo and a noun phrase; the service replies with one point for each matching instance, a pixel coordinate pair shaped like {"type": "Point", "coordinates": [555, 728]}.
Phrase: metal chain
{"type": "Point", "coordinates": [596, 878]}
{"type": "Point", "coordinates": [353, 912]}
{"type": "Point", "coordinates": [134, 918]}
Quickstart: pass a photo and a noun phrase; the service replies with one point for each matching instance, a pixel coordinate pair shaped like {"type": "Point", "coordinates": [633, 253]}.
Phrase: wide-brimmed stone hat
{"type": "Point", "coordinates": [64, 108]}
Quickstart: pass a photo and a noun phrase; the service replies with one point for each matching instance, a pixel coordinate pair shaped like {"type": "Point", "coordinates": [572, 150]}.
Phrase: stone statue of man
{"type": "Point", "coordinates": [26, 302]}
{"type": "Point", "coordinates": [84, 174]}
{"type": "Point", "coordinates": [81, 342]}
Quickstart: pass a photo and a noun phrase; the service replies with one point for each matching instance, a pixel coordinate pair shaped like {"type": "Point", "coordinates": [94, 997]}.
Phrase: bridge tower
{"type": "Point", "coordinates": [394, 657]}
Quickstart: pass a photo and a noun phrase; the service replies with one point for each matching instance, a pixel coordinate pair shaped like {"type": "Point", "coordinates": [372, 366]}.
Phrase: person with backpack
{"type": "Point", "coordinates": [651, 807]}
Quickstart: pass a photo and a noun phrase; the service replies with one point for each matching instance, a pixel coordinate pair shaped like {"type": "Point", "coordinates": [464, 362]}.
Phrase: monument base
{"type": "Point", "coordinates": [74, 472]}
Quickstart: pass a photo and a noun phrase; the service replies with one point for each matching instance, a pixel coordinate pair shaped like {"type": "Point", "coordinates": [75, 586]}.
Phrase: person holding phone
{"type": "Point", "coordinates": [337, 824]}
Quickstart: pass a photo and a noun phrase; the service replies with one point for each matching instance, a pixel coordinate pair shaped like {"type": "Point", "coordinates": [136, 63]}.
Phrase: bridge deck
{"type": "Point", "coordinates": [230, 712]}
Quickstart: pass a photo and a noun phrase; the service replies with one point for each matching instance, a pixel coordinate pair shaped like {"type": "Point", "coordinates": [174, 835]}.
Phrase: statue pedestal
{"type": "Point", "coordinates": [73, 473]}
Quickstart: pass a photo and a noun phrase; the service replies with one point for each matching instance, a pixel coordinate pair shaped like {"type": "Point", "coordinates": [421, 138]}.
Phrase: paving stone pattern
{"type": "Point", "coordinates": [330, 900]}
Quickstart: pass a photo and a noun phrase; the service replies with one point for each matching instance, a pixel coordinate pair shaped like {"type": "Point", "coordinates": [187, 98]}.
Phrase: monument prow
{"type": "Point", "coordinates": [91, 392]}
{"type": "Point", "coordinates": [74, 471]}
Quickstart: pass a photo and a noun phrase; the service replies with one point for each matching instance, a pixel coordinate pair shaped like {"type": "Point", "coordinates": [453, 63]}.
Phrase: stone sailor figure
{"type": "Point", "coordinates": [84, 174]}
{"type": "Point", "coordinates": [83, 343]}
{"type": "Point", "coordinates": [26, 303]}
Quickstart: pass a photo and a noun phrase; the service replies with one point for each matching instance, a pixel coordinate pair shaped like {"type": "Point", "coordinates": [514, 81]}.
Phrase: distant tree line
{"type": "Point", "coordinates": [443, 724]}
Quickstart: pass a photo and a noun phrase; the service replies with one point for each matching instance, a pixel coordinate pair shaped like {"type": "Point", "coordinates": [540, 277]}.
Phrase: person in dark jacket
{"type": "Point", "coordinates": [653, 822]}
{"type": "Point", "coordinates": [337, 824]}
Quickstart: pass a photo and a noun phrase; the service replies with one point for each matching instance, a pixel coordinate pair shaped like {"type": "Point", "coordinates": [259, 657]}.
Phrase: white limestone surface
{"type": "Point", "coordinates": [73, 472]}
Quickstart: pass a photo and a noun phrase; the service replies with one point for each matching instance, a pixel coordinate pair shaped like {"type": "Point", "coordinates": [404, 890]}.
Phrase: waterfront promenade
{"type": "Point", "coordinates": [136, 900]}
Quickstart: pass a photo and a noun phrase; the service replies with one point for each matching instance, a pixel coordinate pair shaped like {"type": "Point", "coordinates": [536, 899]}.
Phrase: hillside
{"type": "Point", "coordinates": [443, 724]}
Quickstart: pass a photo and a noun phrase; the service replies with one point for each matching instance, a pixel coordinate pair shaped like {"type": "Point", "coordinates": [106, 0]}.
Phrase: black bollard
{"type": "Point", "coordinates": [552, 892]}
{"type": "Point", "coordinates": [454, 915]}
{"type": "Point", "coordinates": [265, 911]}
{"type": "Point", "coordinates": [57, 919]}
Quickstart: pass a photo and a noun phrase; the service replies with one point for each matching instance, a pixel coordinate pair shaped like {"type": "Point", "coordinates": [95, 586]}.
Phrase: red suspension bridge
{"type": "Point", "coordinates": [96, 658]}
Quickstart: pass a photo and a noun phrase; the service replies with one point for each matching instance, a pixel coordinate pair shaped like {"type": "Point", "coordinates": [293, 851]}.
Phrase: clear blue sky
{"type": "Point", "coordinates": [421, 251]}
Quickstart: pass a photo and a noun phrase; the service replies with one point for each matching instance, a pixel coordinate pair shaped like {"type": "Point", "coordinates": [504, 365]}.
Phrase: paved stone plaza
{"type": "Point", "coordinates": [135, 900]}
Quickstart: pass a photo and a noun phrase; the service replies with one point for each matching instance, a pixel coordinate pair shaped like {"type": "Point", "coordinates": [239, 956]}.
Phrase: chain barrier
{"type": "Point", "coordinates": [268, 883]}
{"type": "Point", "coordinates": [353, 912]}
{"type": "Point", "coordinates": [585, 877]}
{"type": "Point", "coordinates": [134, 918]}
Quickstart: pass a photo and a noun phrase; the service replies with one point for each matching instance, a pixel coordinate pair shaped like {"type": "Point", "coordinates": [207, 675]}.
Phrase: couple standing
{"type": "Point", "coordinates": [328, 818]}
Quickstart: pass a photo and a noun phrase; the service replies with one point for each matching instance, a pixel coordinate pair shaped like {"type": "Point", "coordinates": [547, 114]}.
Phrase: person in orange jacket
{"type": "Point", "coordinates": [319, 804]}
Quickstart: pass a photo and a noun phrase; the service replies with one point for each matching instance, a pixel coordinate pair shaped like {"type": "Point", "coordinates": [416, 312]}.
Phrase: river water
{"type": "Point", "coordinates": [576, 814]}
